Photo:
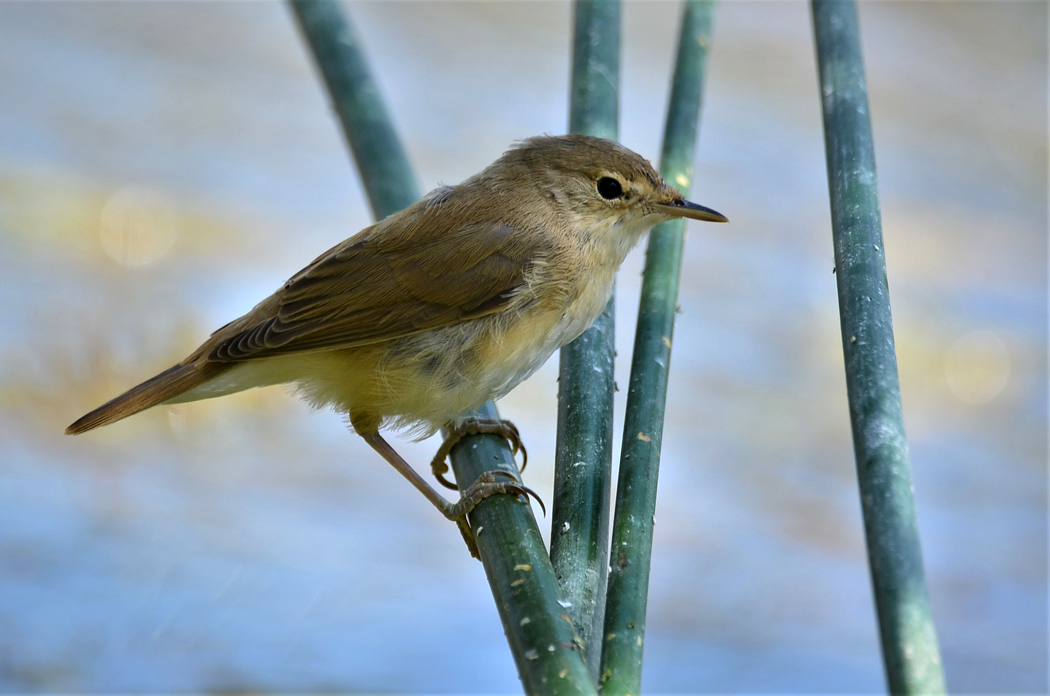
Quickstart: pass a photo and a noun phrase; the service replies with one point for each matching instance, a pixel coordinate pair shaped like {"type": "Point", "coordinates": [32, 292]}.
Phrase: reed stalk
{"type": "Point", "coordinates": [909, 640]}
{"type": "Point", "coordinates": [632, 539]}
{"type": "Point", "coordinates": [583, 456]}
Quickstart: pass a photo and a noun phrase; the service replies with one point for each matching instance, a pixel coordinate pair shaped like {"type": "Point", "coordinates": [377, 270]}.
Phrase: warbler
{"type": "Point", "coordinates": [426, 315]}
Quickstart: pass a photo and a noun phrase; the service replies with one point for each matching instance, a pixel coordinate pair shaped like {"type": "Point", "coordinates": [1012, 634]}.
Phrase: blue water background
{"type": "Point", "coordinates": [250, 544]}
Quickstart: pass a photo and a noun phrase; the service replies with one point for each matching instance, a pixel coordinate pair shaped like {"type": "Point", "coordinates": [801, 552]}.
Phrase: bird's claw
{"type": "Point", "coordinates": [475, 426]}
{"type": "Point", "coordinates": [490, 483]}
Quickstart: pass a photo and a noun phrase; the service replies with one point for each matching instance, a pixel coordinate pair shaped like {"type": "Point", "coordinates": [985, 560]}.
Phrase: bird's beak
{"type": "Point", "coordinates": [680, 207]}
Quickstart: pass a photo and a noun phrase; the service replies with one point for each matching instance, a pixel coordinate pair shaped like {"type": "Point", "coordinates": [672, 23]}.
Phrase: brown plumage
{"type": "Point", "coordinates": [451, 302]}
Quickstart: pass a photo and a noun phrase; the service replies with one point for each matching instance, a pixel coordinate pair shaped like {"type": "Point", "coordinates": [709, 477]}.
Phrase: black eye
{"type": "Point", "coordinates": [609, 188]}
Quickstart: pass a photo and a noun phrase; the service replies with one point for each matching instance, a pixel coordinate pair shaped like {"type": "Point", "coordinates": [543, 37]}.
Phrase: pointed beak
{"type": "Point", "coordinates": [680, 207]}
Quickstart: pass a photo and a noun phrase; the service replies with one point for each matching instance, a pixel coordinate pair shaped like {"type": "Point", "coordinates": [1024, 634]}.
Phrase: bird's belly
{"type": "Point", "coordinates": [525, 345]}
{"type": "Point", "coordinates": [424, 381]}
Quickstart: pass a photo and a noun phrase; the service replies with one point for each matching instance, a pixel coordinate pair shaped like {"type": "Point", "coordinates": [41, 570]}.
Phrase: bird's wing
{"type": "Point", "coordinates": [378, 287]}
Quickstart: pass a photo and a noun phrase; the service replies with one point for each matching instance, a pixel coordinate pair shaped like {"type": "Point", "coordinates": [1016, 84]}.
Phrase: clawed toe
{"type": "Point", "coordinates": [489, 484]}
{"type": "Point", "coordinates": [510, 431]}
{"type": "Point", "coordinates": [475, 426]}
{"type": "Point", "coordinates": [515, 486]}
{"type": "Point", "coordinates": [439, 467]}
{"type": "Point", "coordinates": [529, 493]}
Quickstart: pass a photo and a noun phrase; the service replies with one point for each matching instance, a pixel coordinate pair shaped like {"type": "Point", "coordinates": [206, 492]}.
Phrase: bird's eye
{"type": "Point", "coordinates": [609, 188]}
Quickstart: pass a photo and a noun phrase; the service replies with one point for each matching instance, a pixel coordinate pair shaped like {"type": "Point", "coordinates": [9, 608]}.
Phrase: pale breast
{"type": "Point", "coordinates": [523, 346]}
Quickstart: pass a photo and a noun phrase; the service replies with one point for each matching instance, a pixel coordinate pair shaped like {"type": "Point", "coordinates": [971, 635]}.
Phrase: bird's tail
{"type": "Point", "coordinates": [167, 385]}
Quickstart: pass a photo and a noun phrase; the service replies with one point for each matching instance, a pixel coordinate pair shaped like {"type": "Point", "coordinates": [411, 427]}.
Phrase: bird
{"type": "Point", "coordinates": [424, 316]}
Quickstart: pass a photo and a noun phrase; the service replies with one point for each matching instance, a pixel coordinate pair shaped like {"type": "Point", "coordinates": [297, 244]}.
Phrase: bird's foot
{"type": "Point", "coordinates": [475, 426]}
{"type": "Point", "coordinates": [488, 484]}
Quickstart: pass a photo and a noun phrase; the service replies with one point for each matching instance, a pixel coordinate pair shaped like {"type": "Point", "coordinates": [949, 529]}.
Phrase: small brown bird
{"type": "Point", "coordinates": [426, 315]}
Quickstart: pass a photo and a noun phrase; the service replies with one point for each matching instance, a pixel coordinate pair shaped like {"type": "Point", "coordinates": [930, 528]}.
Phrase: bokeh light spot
{"type": "Point", "coordinates": [138, 226]}
{"type": "Point", "coordinates": [978, 367]}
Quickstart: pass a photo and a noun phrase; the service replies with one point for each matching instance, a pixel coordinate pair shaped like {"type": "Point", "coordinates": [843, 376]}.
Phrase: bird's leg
{"type": "Point", "coordinates": [475, 426]}
{"type": "Point", "coordinates": [488, 484]}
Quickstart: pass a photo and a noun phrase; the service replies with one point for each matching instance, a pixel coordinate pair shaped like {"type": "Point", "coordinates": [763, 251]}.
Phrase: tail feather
{"type": "Point", "coordinates": [167, 385]}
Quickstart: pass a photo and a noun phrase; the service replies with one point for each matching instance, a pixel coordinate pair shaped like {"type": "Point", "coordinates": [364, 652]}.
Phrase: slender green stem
{"type": "Point", "coordinates": [632, 539]}
{"type": "Point", "coordinates": [583, 460]}
{"type": "Point", "coordinates": [541, 635]}
{"type": "Point", "coordinates": [909, 640]}
{"type": "Point", "coordinates": [380, 157]}
{"type": "Point", "coordinates": [594, 107]}
{"type": "Point", "coordinates": [535, 618]}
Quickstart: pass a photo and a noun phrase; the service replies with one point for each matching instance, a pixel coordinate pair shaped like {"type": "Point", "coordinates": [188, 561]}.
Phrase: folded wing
{"type": "Point", "coordinates": [375, 288]}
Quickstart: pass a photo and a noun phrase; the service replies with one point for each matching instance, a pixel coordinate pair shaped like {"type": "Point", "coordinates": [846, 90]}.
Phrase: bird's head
{"type": "Point", "coordinates": [600, 185]}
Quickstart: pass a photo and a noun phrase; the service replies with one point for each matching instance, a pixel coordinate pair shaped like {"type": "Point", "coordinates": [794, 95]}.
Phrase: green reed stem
{"type": "Point", "coordinates": [540, 634]}
{"type": "Point", "coordinates": [632, 539]}
{"type": "Point", "coordinates": [583, 459]}
{"type": "Point", "coordinates": [909, 640]}
{"type": "Point", "coordinates": [535, 618]}
{"type": "Point", "coordinates": [381, 158]}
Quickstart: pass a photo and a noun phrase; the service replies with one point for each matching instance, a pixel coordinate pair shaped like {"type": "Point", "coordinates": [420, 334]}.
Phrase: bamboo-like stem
{"type": "Point", "coordinates": [909, 639]}
{"type": "Point", "coordinates": [540, 634]}
{"type": "Point", "coordinates": [380, 157]}
{"type": "Point", "coordinates": [621, 671]}
{"type": "Point", "coordinates": [583, 459]}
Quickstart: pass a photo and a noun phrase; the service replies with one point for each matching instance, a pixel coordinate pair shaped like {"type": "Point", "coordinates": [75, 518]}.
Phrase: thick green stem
{"type": "Point", "coordinates": [632, 539]}
{"type": "Point", "coordinates": [535, 618]}
{"type": "Point", "coordinates": [540, 633]}
{"type": "Point", "coordinates": [583, 460]}
{"type": "Point", "coordinates": [380, 157]}
{"type": "Point", "coordinates": [909, 640]}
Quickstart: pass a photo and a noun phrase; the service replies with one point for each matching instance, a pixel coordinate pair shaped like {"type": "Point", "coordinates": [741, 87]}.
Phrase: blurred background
{"type": "Point", "coordinates": [163, 166]}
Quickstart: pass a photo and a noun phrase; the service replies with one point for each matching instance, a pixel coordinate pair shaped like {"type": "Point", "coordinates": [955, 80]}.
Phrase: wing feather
{"type": "Point", "coordinates": [377, 287]}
